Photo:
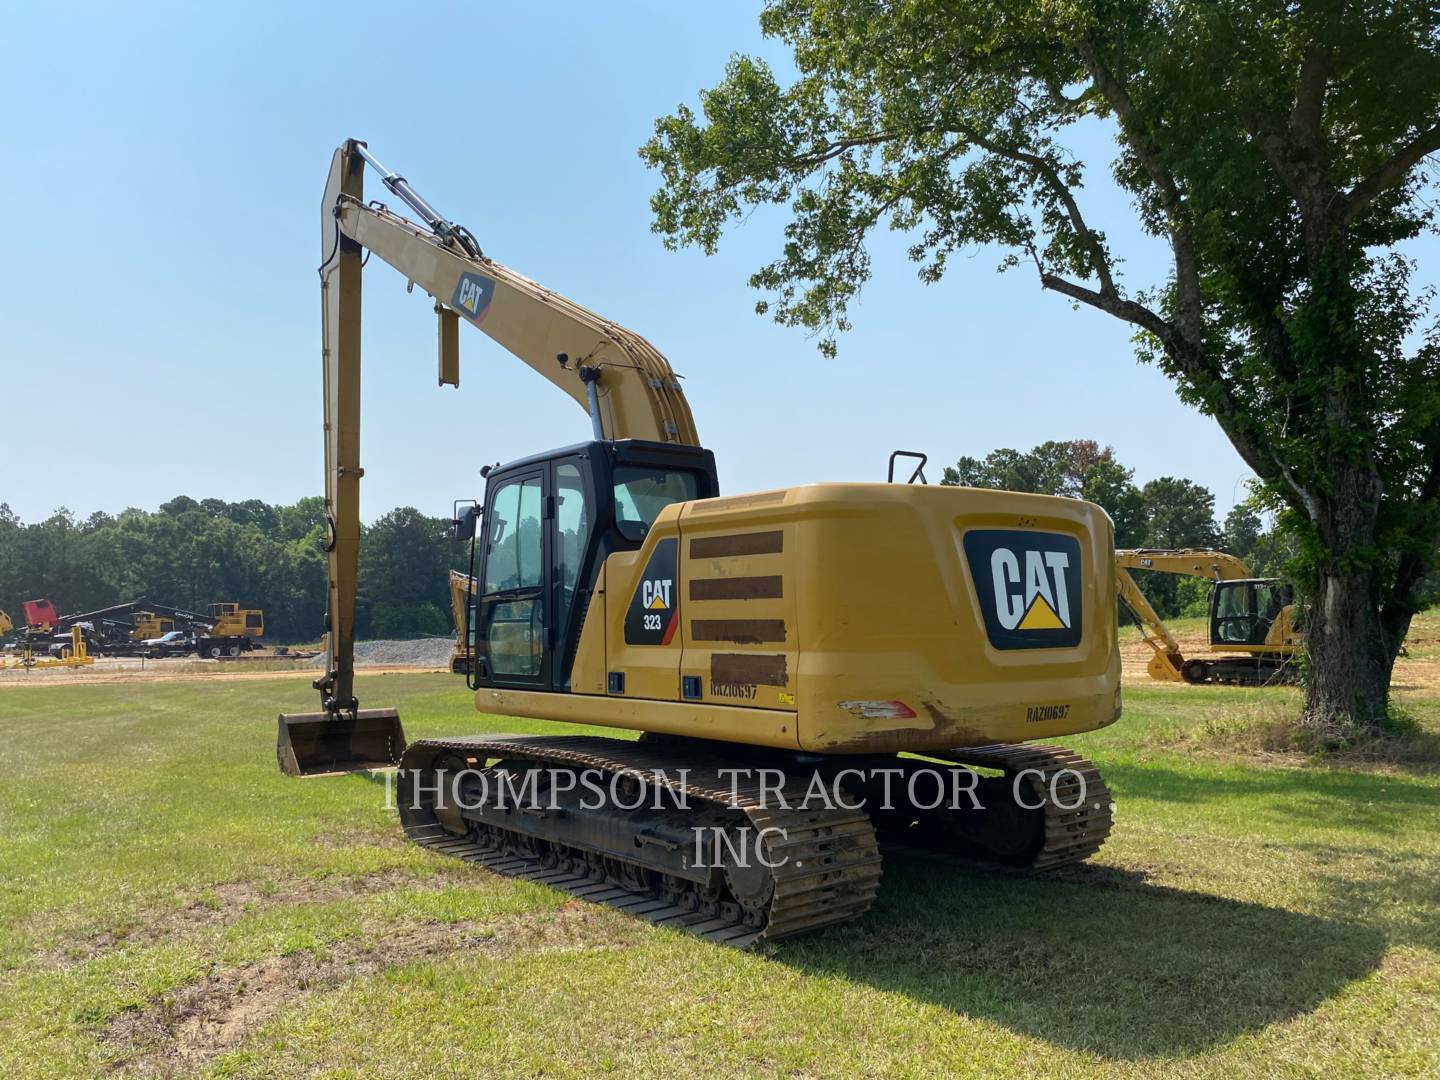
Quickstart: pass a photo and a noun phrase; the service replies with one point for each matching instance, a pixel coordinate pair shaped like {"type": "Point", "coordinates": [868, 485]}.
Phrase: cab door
{"type": "Point", "coordinates": [572, 532]}
{"type": "Point", "coordinates": [512, 610]}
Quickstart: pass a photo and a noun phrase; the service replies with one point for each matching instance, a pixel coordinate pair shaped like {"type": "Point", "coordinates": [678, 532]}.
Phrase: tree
{"type": "Point", "coordinates": [1110, 485]}
{"type": "Point", "coordinates": [1242, 531]}
{"type": "Point", "coordinates": [1052, 468]}
{"type": "Point", "coordinates": [179, 505]}
{"type": "Point", "coordinates": [194, 552]}
{"type": "Point", "coordinates": [1276, 148]}
{"type": "Point", "coordinates": [305, 518]}
{"type": "Point", "coordinates": [405, 562]}
{"type": "Point", "coordinates": [1178, 514]}
{"type": "Point", "coordinates": [1007, 470]}
{"type": "Point", "coordinates": [1079, 469]}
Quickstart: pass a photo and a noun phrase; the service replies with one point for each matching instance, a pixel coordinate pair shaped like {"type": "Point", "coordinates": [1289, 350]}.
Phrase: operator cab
{"type": "Point", "coordinates": [1242, 612]}
{"type": "Point", "coordinates": [549, 522]}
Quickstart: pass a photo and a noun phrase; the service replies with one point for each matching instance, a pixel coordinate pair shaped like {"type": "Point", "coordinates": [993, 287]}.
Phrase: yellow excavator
{"type": "Point", "coordinates": [773, 649]}
{"type": "Point", "coordinates": [1251, 619]}
{"type": "Point", "coordinates": [462, 595]}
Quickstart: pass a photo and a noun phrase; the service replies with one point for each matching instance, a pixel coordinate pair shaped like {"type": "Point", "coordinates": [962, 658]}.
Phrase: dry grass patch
{"type": "Point", "coordinates": [178, 1033]}
{"type": "Point", "coordinates": [1270, 732]}
{"type": "Point", "coordinates": [221, 905]}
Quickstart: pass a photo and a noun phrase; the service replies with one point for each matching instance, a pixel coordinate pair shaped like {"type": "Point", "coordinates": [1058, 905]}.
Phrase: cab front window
{"type": "Point", "coordinates": [641, 493]}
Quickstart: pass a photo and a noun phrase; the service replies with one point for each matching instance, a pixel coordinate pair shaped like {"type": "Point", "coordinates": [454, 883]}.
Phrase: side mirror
{"type": "Point", "coordinates": [466, 521]}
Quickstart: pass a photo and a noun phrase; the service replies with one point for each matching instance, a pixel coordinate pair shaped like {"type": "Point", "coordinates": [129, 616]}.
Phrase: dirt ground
{"type": "Point", "coordinates": [1418, 668]}
{"type": "Point", "coordinates": [108, 669]}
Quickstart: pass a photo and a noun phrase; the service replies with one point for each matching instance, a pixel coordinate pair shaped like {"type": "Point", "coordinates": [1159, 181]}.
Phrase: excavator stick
{"type": "Point", "coordinates": [333, 744]}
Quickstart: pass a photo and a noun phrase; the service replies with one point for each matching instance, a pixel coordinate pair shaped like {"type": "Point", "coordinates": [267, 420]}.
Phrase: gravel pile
{"type": "Point", "coordinates": [425, 652]}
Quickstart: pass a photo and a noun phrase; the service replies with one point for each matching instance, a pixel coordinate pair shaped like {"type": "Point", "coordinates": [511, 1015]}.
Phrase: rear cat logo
{"type": "Point", "coordinates": [1035, 598]}
{"type": "Point", "coordinates": [1028, 585]}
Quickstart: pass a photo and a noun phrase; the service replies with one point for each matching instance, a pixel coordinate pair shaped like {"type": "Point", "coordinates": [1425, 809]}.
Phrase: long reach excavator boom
{"type": "Point", "coordinates": [622, 380]}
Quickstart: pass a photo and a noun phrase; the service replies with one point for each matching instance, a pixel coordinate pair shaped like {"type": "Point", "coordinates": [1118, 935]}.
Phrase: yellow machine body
{"type": "Point", "coordinates": [462, 592]}
{"type": "Point", "coordinates": [616, 585]}
{"type": "Point", "coordinates": [150, 625]}
{"type": "Point", "coordinates": [75, 654]}
{"type": "Point", "coordinates": [231, 620]}
{"type": "Point", "coordinates": [844, 618]}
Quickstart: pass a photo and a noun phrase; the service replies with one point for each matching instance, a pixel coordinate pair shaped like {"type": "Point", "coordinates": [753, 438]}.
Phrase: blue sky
{"type": "Point", "coordinates": [159, 307]}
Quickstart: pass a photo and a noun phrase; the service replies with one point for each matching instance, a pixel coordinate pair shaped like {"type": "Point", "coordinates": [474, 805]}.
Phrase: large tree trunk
{"type": "Point", "coordinates": [1349, 651]}
{"type": "Point", "coordinates": [1350, 657]}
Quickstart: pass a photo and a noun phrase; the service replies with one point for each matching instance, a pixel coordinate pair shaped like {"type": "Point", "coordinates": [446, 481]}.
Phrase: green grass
{"type": "Point", "coordinates": [1245, 919]}
{"type": "Point", "coordinates": [1196, 625]}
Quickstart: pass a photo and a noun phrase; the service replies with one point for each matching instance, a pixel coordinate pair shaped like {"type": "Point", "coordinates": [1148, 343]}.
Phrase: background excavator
{"type": "Point", "coordinates": [812, 632]}
{"type": "Point", "coordinates": [1251, 619]}
{"type": "Point", "coordinates": [462, 593]}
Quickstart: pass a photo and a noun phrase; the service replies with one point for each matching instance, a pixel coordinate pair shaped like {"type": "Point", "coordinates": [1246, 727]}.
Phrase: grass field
{"type": "Point", "coordinates": [171, 905]}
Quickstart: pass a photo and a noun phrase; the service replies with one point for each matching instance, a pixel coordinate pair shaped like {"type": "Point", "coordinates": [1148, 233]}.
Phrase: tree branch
{"type": "Point", "coordinates": [1204, 376]}
{"type": "Point", "coordinates": [1389, 174]}
{"type": "Point", "coordinates": [1098, 256]}
{"type": "Point", "coordinates": [1147, 152]}
{"type": "Point", "coordinates": [832, 150]}
{"type": "Point", "coordinates": [1295, 150]}
{"type": "Point", "coordinates": [1129, 311]}
{"type": "Point", "coordinates": [1047, 171]}
{"type": "Point", "coordinates": [1310, 87]}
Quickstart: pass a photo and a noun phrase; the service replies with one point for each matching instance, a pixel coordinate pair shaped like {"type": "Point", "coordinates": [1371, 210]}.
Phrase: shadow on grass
{"type": "Point", "coordinates": [1089, 958]}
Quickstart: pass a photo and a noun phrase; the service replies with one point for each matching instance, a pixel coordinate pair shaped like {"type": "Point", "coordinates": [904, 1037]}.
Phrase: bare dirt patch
{"type": "Point", "coordinates": [221, 905]}
{"type": "Point", "coordinates": [1417, 669]}
{"type": "Point", "coordinates": [1135, 654]}
{"type": "Point", "coordinates": [371, 657]}
{"type": "Point", "coordinates": [178, 1033]}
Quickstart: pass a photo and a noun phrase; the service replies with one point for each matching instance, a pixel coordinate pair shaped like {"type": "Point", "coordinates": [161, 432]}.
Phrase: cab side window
{"type": "Point", "coordinates": [513, 626]}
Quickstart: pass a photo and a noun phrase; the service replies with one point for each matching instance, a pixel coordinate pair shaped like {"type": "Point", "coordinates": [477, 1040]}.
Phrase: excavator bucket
{"type": "Point", "coordinates": [319, 744]}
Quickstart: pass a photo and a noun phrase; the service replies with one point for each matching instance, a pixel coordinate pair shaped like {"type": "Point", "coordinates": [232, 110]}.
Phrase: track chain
{"type": "Point", "coordinates": [1079, 809]}
{"type": "Point", "coordinates": [831, 865]}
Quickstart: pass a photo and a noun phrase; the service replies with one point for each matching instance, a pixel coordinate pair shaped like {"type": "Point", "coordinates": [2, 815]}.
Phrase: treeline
{"type": "Point", "coordinates": [1168, 512]}
{"type": "Point", "coordinates": [193, 552]}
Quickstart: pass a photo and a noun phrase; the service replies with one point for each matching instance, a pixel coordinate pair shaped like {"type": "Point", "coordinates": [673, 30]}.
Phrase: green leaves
{"type": "Point", "coordinates": [905, 116]}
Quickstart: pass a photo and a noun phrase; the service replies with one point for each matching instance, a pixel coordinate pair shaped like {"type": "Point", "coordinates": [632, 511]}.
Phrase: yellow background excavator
{"type": "Point", "coordinates": [462, 593]}
{"type": "Point", "coordinates": [1251, 619]}
{"type": "Point", "coordinates": [816, 631]}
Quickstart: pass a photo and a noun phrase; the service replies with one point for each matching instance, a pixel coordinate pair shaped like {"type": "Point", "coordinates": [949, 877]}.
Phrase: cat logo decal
{"type": "Point", "coordinates": [1028, 585]}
